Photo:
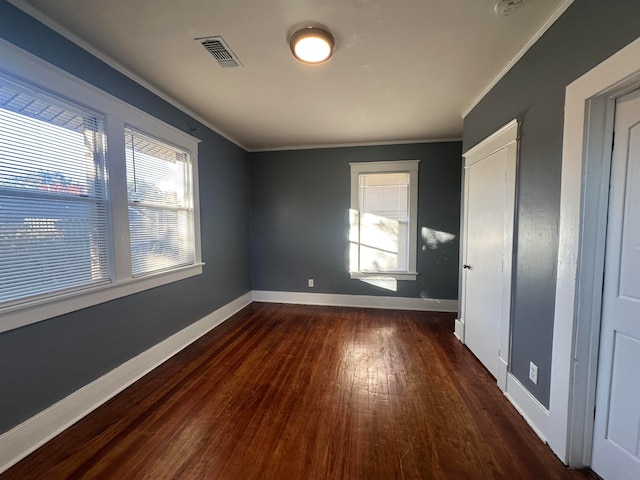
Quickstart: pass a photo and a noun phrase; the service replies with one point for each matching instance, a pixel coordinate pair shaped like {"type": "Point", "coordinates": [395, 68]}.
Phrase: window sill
{"type": "Point", "coordinates": [16, 316]}
{"type": "Point", "coordinates": [384, 275]}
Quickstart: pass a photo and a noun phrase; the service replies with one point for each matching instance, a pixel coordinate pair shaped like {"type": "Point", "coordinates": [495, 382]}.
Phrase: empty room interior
{"type": "Point", "coordinates": [320, 239]}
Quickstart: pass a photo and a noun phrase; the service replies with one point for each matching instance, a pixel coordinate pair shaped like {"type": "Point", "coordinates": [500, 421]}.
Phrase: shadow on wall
{"type": "Point", "coordinates": [378, 247]}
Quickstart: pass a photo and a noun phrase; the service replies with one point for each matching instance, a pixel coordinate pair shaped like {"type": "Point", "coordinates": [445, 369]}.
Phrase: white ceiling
{"type": "Point", "coordinates": [403, 70]}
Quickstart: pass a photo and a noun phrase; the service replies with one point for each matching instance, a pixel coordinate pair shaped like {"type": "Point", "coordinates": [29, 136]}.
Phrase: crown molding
{"type": "Point", "coordinates": [66, 33]}
{"type": "Point", "coordinates": [550, 21]}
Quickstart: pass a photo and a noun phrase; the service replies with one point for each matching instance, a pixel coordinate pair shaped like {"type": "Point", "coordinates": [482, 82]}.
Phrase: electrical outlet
{"type": "Point", "coordinates": [311, 282]}
{"type": "Point", "coordinates": [533, 372]}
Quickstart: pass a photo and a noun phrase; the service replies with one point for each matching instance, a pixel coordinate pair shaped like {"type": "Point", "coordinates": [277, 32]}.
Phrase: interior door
{"type": "Point", "coordinates": [488, 211]}
{"type": "Point", "coordinates": [616, 442]}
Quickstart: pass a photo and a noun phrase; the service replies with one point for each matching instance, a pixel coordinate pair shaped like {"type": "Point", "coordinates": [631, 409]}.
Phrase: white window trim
{"type": "Point", "coordinates": [190, 165]}
{"type": "Point", "coordinates": [401, 166]}
{"type": "Point", "coordinates": [117, 113]}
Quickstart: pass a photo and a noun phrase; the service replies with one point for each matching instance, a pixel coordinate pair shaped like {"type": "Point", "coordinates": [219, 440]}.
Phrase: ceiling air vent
{"type": "Point", "coordinates": [217, 47]}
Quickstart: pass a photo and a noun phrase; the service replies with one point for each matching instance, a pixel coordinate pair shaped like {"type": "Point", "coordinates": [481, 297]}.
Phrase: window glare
{"type": "Point", "coordinates": [383, 221]}
{"type": "Point", "coordinates": [160, 213]}
{"type": "Point", "coordinates": [38, 155]}
{"type": "Point", "coordinates": [53, 215]}
{"type": "Point", "coordinates": [66, 241]}
{"type": "Point", "coordinates": [384, 213]}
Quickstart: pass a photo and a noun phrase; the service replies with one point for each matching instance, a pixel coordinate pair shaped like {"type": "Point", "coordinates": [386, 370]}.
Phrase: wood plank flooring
{"type": "Point", "coordinates": [299, 392]}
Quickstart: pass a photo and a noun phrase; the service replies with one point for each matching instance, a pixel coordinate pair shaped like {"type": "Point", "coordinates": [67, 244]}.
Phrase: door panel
{"type": "Point", "coordinates": [485, 228]}
{"type": "Point", "coordinates": [630, 257]}
{"type": "Point", "coordinates": [616, 442]}
{"type": "Point", "coordinates": [623, 410]}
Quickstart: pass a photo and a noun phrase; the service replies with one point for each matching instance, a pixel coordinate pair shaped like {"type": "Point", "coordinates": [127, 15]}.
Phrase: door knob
{"type": "Point", "coordinates": [468, 267]}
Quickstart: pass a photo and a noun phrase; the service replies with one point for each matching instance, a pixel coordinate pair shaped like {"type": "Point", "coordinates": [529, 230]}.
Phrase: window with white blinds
{"type": "Point", "coordinates": [384, 222]}
{"type": "Point", "coordinates": [383, 230]}
{"type": "Point", "coordinates": [54, 218]}
{"type": "Point", "coordinates": [160, 206]}
{"type": "Point", "coordinates": [98, 200]}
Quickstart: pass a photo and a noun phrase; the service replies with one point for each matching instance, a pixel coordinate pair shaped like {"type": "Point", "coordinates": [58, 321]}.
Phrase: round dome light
{"type": "Point", "coordinates": [312, 45]}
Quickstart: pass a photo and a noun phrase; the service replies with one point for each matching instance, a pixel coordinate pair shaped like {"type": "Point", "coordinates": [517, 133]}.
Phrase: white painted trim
{"type": "Point", "coordinates": [585, 157]}
{"type": "Point", "coordinates": [510, 221]}
{"type": "Point", "coordinates": [504, 138]}
{"type": "Point", "coordinates": [383, 275]}
{"type": "Point", "coordinates": [550, 21]}
{"type": "Point", "coordinates": [528, 406]}
{"type": "Point", "coordinates": [458, 330]}
{"type": "Point", "coordinates": [46, 76]}
{"type": "Point", "coordinates": [31, 312]}
{"type": "Point", "coordinates": [354, 144]}
{"type": "Point", "coordinates": [494, 142]}
{"type": "Point", "coordinates": [48, 79]}
{"type": "Point", "coordinates": [23, 439]}
{"type": "Point", "coordinates": [56, 27]}
{"type": "Point", "coordinates": [503, 372]}
{"type": "Point", "coordinates": [392, 166]}
{"type": "Point", "coordinates": [362, 301]}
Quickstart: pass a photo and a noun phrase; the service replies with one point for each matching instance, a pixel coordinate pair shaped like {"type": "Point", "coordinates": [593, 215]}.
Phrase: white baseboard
{"type": "Point", "coordinates": [503, 374]}
{"type": "Point", "coordinates": [536, 415]}
{"type": "Point", "coordinates": [363, 301]}
{"type": "Point", "coordinates": [23, 439]}
{"type": "Point", "coordinates": [458, 331]}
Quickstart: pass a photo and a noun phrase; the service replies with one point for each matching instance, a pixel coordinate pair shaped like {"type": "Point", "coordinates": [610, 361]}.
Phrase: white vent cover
{"type": "Point", "coordinates": [218, 48]}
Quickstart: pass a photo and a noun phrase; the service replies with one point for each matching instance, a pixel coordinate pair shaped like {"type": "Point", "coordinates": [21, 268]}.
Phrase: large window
{"type": "Point", "coordinates": [383, 219]}
{"type": "Point", "coordinates": [97, 199]}
{"type": "Point", "coordinates": [53, 196]}
{"type": "Point", "coordinates": [160, 206]}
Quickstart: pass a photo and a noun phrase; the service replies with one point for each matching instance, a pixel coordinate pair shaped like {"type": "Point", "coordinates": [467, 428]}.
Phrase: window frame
{"type": "Point", "coordinates": [32, 70]}
{"type": "Point", "coordinates": [45, 201]}
{"type": "Point", "coordinates": [187, 207]}
{"type": "Point", "coordinates": [398, 166]}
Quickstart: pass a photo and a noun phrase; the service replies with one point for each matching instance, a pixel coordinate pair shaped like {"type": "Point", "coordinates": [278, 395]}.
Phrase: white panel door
{"type": "Point", "coordinates": [484, 236]}
{"type": "Point", "coordinates": [616, 442]}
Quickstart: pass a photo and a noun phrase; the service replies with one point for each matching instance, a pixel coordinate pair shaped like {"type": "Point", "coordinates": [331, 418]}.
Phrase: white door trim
{"type": "Point", "coordinates": [586, 158]}
{"type": "Point", "coordinates": [505, 138]}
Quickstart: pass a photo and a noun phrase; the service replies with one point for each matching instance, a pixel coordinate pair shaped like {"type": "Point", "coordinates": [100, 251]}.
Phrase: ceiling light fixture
{"type": "Point", "coordinates": [312, 45]}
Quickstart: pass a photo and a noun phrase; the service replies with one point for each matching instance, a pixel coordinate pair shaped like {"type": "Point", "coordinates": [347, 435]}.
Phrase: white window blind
{"type": "Point", "coordinates": [53, 196]}
{"type": "Point", "coordinates": [384, 222]}
{"type": "Point", "coordinates": [80, 223]}
{"type": "Point", "coordinates": [160, 204]}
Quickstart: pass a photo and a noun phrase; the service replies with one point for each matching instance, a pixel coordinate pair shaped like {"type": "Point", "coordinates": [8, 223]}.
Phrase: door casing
{"type": "Point", "coordinates": [586, 162]}
{"type": "Point", "coordinates": [507, 138]}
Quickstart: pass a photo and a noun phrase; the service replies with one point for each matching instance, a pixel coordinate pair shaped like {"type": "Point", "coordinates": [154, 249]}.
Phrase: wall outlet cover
{"type": "Point", "coordinates": [533, 372]}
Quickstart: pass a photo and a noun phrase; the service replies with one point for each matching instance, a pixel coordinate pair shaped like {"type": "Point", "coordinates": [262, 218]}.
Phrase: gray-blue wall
{"type": "Point", "coordinates": [300, 203]}
{"type": "Point", "coordinates": [44, 362]}
{"type": "Point", "coordinates": [585, 35]}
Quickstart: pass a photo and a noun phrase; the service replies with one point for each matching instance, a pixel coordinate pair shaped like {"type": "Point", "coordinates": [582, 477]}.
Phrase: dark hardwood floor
{"type": "Point", "coordinates": [298, 392]}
